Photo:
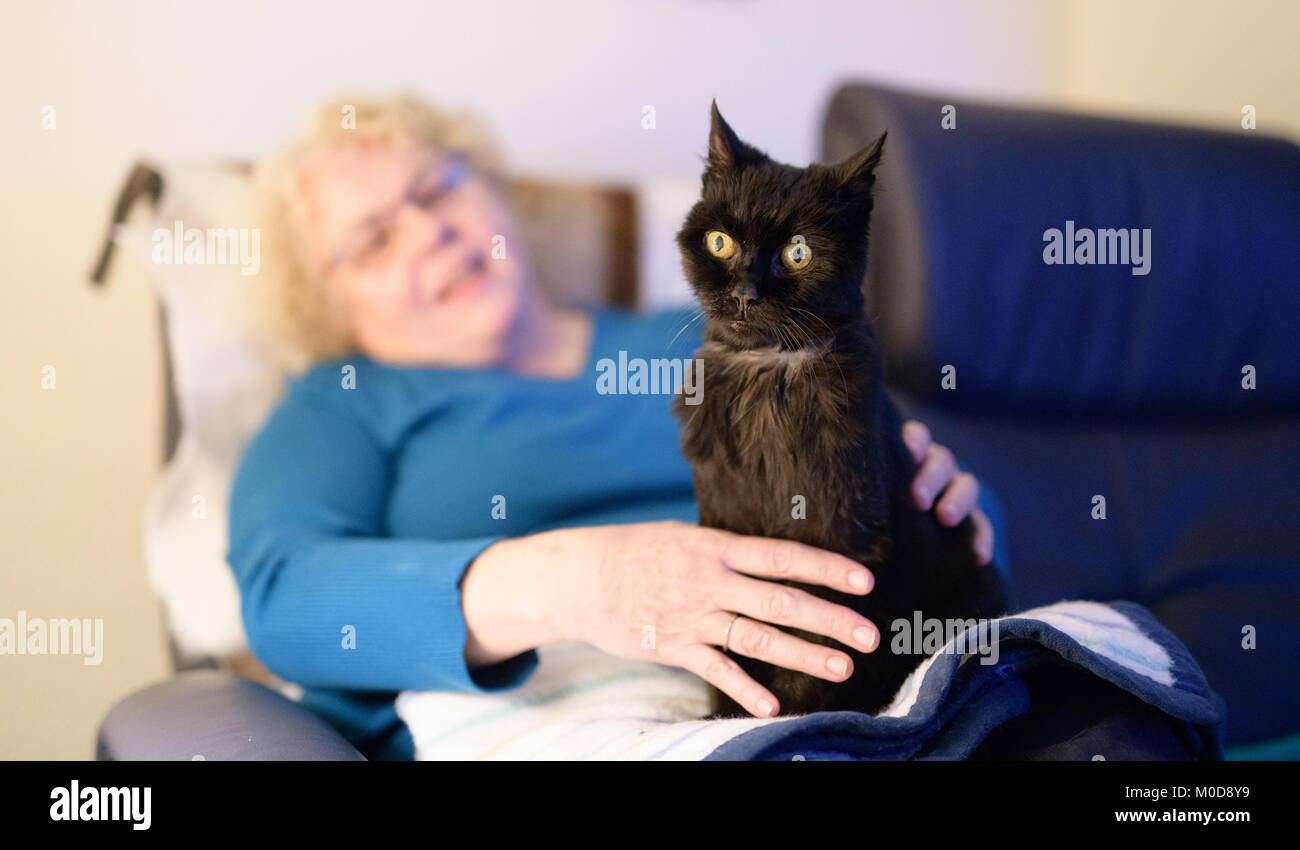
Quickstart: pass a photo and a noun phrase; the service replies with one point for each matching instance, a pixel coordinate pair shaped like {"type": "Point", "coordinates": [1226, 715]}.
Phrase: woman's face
{"type": "Point", "coordinates": [406, 248]}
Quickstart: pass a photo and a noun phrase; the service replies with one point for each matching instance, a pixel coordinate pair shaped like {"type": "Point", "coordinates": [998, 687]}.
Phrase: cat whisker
{"type": "Point", "coordinates": [806, 312]}
{"type": "Point", "coordinates": [829, 354]}
{"type": "Point", "coordinates": [699, 314]}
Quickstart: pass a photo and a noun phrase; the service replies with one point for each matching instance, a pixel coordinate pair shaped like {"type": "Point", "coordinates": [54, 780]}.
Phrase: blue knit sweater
{"type": "Point", "coordinates": [359, 504]}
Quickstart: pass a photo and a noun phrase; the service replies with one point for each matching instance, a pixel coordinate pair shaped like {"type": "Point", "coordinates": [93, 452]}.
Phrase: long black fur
{"type": "Point", "coordinates": [794, 403]}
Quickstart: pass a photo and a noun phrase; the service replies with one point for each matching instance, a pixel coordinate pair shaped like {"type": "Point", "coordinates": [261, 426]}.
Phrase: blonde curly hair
{"type": "Point", "coordinates": [294, 302]}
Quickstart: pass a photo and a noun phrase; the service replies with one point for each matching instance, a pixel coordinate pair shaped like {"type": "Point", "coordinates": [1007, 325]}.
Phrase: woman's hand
{"type": "Point", "coordinates": [937, 475]}
{"type": "Point", "coordinates": [666, 592]}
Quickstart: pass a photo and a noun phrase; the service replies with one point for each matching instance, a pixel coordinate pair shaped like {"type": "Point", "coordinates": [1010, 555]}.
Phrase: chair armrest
{"type": "Point", "coordinates": [220, 717]}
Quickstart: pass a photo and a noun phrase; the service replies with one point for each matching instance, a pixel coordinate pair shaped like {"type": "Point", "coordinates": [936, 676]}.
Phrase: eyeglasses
{"type": "Point", "coordinates": [426, 190]}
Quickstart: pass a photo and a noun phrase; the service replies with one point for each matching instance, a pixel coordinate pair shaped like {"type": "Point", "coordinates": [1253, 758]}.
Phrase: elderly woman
{"type": "Point", "coordinates": [445, 490]}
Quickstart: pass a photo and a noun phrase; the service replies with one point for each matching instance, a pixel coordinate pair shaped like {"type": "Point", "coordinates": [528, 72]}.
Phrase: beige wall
{"type": "Point", "coordinates": [77, 462]}
{"type": "Point", "coordinates": [1198, 61]}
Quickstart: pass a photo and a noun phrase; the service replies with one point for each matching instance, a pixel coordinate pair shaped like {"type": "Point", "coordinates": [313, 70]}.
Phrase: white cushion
{"type": "Point", "coordinates": [228, 372]}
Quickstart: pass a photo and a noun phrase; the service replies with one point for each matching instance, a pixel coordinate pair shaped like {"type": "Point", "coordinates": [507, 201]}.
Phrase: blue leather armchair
{"type": "Point", "coordinates": [1084, 380]}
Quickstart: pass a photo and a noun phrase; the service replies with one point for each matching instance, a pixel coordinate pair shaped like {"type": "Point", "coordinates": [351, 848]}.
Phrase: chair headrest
{"type": "Point", "coordinates": [972, 203]}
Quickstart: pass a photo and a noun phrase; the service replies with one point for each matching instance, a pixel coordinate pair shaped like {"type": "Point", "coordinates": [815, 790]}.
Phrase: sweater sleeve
{"type": "Point", "coordinates": [328, 601]}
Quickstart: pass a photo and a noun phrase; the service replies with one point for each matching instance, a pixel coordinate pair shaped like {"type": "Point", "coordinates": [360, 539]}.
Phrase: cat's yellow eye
{"type": "Point", "coordinates": [796, 256]}
{"type": "Point", "coordinates": [720, 244]}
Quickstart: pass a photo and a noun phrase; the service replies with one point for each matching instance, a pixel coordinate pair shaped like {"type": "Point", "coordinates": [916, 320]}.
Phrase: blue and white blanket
{"type": "Point", "coordinates": [581, 703]}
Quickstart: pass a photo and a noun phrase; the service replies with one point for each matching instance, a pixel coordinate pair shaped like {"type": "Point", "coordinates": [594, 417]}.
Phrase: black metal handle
{"type": "Point", "coordinates": [144, 179]}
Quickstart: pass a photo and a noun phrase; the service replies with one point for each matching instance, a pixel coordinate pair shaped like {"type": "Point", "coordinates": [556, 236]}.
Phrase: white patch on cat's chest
{"type": "Point", "coordinates": [753, 358]}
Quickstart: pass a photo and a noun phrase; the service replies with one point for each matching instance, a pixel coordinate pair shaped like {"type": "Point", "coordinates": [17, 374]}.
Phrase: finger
{"type": "Point", "coordinates": [917, 438]}
{"type": "Point", "coordinates": [768, 557]}
{"type": "Point", "coordinates": [936, 471]}
{"type": "Point", "coordinates": [769, 602]}
{"type": "Point", "coordinates": [725, 674]}
{"type": "Point", "coordinates": [983, 536]}
{"type": "Point", "coordinates": [768, 643]}
{"type": "Point", "coordinates": [958, 499]}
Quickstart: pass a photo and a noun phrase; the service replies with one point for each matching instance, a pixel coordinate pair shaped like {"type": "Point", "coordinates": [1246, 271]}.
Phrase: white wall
{"type": "Point", "coordinates": [564, 83]}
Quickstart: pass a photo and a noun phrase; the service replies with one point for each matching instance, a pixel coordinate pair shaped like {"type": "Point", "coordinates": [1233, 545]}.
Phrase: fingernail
{"type": "Point", "coordinates": [765, 708]}
{"type": "Point", "coordinates": [923, 494]}
{"type": "Point", "coordinates": [866, 636]}
{"type": "Point", "coordinates": [837, 665]}
{"type": "Point", "coordinates": [859, 579]}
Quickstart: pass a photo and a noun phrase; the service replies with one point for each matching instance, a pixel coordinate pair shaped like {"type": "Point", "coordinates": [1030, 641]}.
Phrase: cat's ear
{"type": "Point", "coordinates": [726, 150]}
{"type": "Point", "coordinates": [857, 174]}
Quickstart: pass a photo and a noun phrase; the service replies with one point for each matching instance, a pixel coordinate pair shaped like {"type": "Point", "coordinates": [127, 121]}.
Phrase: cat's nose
{"type": "Point", "coordinates": [745, 297]}
{"type": "Point", "coordinates": [743, 304]}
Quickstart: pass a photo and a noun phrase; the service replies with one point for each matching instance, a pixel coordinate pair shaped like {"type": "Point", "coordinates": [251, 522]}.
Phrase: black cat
{"type": "Point", "coordinates": [794, 404]}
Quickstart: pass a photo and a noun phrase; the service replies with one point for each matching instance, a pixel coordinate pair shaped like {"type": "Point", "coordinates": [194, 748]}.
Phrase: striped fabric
{"type": "Point", "coordinates": [583, 704]}
{"type": "Point", "coordinates": [580, 703]}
